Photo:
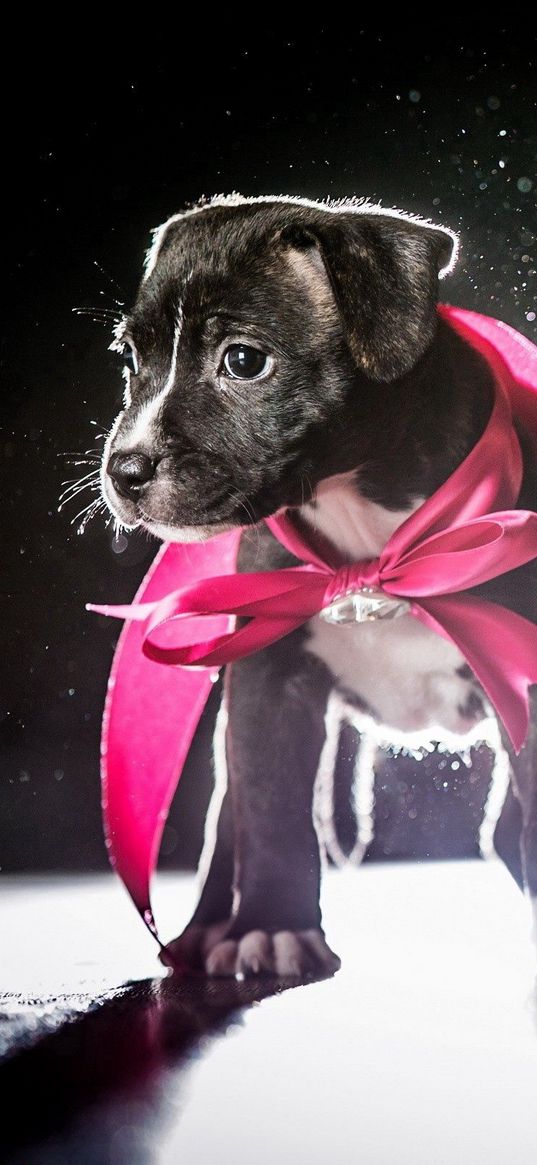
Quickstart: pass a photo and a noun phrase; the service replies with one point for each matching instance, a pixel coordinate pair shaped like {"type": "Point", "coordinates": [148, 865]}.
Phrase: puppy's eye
{"type": "Point", "coordinates": [244, 363]}
{"type": "Point", "coordinates": [129, 357]}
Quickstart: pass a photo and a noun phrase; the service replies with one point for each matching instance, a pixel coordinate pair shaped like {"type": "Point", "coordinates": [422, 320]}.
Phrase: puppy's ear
{"type": "Point", "coordinates": [384, 273]}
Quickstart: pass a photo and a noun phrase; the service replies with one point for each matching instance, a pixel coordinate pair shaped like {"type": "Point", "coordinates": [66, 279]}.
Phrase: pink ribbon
{"type": "Point", "coordinates": [465, 534]}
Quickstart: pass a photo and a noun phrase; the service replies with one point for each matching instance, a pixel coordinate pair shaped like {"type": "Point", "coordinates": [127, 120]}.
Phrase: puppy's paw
{"type": "Point", "coordinates": [286, 954]}
{"type": "Point", "coordinates": [188, 952]}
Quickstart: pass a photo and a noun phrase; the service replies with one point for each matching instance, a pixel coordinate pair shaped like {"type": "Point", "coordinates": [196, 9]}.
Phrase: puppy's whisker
{"type": "Point", "coordinates": [85, 457]}
{"type": "Point", "coordinates": [94, 453]}
{"type": "Point", "coordinates": [98, 315]}
{"type": "Point", "coordinates": [105, 312]}
{"type": "Point", "coordinates": [81, 528]}
{"type": "Point", "coordinates": [68, 500]}
{"type": "Point", "coordinates": [87, 513]}
{"type": "Point", "coordinates": [97, 507]}
{"type": "Point", "coordinates": [74, 480]}
{"type": "Point", "coordinates": [94, 486]}
{"type": "Point", "coordinates": [75, 488]}
{"type": "Point", "coordinates": [243, 501]}
{"type": "Point", "coordinates": [103, 431]}
{"type": "Point", "coordinates": [78, 482]}
{"type": "Point", "coordinates": [310, 487]}
{"type": "Point", "coordinates": [81, 461]}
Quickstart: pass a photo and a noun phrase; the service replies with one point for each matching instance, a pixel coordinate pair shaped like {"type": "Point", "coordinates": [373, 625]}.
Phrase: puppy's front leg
{"type": "Point", "coordinates": [277, 701]}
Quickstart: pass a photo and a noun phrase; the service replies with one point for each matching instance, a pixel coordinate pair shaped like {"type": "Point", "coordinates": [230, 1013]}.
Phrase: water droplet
{"type": "Point", "coordinates": [119, 544]}
{"type": "Point", "coordinates": [414, 96]}
{"type": "Point", "coordinates": [493, 102]}
{"type": "Point", "coordinates": [150, 921]}
{"type": "Point", "coordinates": [524, 185]}
{"type": "Point", "coordinates": [530, 316]}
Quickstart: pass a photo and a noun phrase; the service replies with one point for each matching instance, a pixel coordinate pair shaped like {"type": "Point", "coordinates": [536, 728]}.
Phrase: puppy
{"type": "Point", "coordinates": [287, 353]}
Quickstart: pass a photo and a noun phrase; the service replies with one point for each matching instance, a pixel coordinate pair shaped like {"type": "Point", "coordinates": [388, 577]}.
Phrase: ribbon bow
{"type": "Point", "coordinates": [465, 534]}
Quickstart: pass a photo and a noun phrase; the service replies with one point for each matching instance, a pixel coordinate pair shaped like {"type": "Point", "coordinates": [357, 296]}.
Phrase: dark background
{"type": "Point", "coordinates": [102, 146]}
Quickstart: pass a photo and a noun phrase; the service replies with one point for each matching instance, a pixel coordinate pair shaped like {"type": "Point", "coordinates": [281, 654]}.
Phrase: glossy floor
{"type": "Point", "coordinates": [421, 1050]}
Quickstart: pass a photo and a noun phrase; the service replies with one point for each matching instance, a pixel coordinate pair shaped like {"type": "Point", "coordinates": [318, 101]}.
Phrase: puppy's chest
{"type": "Point", "coordinates": [409, 677]}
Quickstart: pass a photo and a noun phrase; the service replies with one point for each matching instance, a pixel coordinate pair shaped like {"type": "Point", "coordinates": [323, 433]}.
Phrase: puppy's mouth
{"type": "Point", "coordinates": [171, 532]}
{"type": "Point", "coordinates": [195, 523]}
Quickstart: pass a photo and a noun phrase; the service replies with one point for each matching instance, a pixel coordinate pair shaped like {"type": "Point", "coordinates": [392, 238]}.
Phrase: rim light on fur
{"type": "Point", "coordinates": [353, 204]}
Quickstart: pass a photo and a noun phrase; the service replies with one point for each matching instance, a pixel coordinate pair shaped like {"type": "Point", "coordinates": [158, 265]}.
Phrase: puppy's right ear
{"type": "Point", "coordinates": [384, 271]}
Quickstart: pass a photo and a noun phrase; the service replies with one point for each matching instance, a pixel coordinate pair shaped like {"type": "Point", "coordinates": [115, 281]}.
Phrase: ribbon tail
{"type": "Point", "coordinates": [150, 717]}
{"type": "Point", "coordinates": [485, 632]}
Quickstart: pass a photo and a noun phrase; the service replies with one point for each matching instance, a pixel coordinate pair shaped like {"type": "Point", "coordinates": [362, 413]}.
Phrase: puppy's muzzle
{"type": "Point", "coordinates": [131, 473]}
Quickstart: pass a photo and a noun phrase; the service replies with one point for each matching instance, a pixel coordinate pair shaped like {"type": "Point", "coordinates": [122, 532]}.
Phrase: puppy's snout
{"type": "Point", "coordinates": [130, 472]}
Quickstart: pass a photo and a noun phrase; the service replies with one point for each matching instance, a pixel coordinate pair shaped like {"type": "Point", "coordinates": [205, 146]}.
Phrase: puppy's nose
{"type": "Point", "coordinates": [130, 472]}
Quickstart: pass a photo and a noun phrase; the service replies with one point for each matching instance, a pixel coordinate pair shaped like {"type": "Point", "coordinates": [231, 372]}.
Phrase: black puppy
{"type": "Point", "coordinates": [287, 353]}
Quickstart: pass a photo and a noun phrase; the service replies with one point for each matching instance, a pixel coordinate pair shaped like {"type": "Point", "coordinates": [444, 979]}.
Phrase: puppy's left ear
{"type": "Point", "coordinates": [384, 273]}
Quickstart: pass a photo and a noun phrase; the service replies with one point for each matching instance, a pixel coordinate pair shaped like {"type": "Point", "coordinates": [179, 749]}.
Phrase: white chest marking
{"type": "Point", "coordinates": [356, 527]}
{"type": "Point", "coordinates": [405, 673]}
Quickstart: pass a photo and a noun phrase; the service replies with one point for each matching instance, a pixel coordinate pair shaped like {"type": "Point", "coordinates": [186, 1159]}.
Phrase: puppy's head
{"type": "Point", "coordinates": [264, 338]}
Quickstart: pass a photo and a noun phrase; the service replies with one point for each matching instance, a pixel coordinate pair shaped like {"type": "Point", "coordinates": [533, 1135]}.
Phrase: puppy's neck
{"type": "Point", "coordinates": [405, 438]}
{"type": "Point", "coordinates": [355, 526]}
{"type": "Point", "coordinates": [424, 426]}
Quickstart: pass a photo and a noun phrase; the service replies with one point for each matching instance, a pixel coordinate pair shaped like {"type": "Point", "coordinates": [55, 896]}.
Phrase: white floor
{"type": "Point", "coordinates": [422, 1050]}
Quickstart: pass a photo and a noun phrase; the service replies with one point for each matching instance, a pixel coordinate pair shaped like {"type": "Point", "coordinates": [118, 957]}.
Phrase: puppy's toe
{"type": "Point", "coordinates": [304, 953]}
{"type": "Point", "coordinates": [291, 956]}
{"type": "Point", "coordinates": [222, 959]}
{"type": "Point", "coordinates": [188, 952]}
{"type": "Point", "coordinates": [256, 954]}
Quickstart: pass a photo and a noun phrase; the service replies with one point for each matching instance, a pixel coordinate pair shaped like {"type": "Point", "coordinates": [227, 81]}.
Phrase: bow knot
{"type": "Point", "coordinates": [351, 578]}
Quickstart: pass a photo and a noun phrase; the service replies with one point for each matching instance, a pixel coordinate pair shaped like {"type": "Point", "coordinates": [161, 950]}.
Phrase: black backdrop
{"type": "Point", "coordinates": [98, 150]}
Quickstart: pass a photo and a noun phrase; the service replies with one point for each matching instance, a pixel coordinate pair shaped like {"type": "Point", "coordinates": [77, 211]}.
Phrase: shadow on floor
{"type": "Point", "coordinates": [116, 1053]}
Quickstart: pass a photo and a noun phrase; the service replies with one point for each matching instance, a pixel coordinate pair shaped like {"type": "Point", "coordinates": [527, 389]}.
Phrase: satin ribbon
{"type": "Point", "coordinates": [465, 534]}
